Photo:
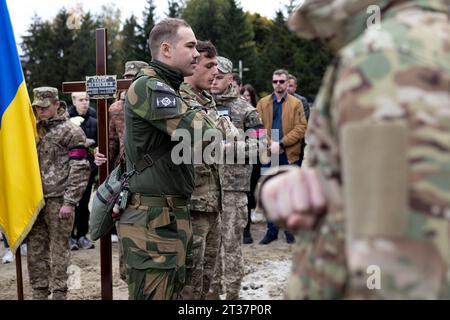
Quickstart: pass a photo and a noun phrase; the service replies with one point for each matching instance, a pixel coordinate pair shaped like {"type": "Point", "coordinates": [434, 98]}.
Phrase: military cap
{"type": "Point", "coordinates": [132, 68]}
{"type": "Point", "coordinates": [224, 65]}
{"type": "Point", "coordinates": [44, 96]}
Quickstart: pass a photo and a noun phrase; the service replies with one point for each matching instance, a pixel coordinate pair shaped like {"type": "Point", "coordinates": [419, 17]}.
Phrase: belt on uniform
{"type": "Point", "coordinates": [139, 200]}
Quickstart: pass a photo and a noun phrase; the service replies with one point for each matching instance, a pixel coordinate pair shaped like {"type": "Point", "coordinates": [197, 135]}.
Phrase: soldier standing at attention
{"type": "Point", "coordinates": [374, 209]}
{"type": "Point", "coordinates": [205, 200]}
{"type": "Point", "coordinates": [235, 180]}
{"type": "Point", "coordinates": [155, 228]}
{"type": "Point", "coordinates": [65, 173]}
{"type": "Point", "coordinates": [116, 129]}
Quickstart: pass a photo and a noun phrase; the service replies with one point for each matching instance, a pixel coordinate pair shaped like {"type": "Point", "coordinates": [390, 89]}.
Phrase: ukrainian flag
{"type": "Point", "coordinates": [21, 196]}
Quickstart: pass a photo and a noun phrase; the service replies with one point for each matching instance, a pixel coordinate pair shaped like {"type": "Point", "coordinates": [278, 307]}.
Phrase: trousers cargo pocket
{"type": "Point", "coordinates": [143, 260]}
{"type": "Point", "coordinates": [148, 273]}
{"type": "Point", "coordinates": [162, 231]}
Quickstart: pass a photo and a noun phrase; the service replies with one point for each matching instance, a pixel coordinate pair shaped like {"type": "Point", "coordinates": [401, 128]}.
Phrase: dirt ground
{"type": "Point", "coordinates": [266, 271]}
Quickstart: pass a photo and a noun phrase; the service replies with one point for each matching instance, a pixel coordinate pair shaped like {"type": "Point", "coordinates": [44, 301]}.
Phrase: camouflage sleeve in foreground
{"type": "Point", "coordinates": [160, 105]}
{"type": "Point", "coordinates": [79, 168]}
{"type": "Point", "coordinates": [382, 126]}
{"type": "Point", "coordinates": [269, 174]}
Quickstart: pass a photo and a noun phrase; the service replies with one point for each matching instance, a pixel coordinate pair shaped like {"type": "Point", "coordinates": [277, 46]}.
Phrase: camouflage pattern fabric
{"type": "Point", "coordinates": [157, 242]}
{"type": "Point", "coordinates": [116, 129]}
{"type": "Point", "coordinates": [48, 252]}
{"type": "Point", "coordinates": [206, 239]}
{"type": "Point", "coordinates": [383, 105]}
{"type": "Point", "coordinates": [65, 172]}
{"type": "Point", "coordinates": [229, 269]}
{"type": "Point", "coordinates": [236, 177]}
{"type": "Point", "coordinates": [62, 175]}
{"type": "Point", "coordinates": [206, 195]}
{"type": "Point", "coordinates": [157, 250]}
{"type": "Point", "coordinates": [205, 206]}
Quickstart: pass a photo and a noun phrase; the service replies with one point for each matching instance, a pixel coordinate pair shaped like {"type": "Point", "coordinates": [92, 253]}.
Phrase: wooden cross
{"type": "Point", "coordinates": [102, 122]}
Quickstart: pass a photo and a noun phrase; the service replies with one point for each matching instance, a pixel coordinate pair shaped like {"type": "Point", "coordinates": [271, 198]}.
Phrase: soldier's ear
{"type": "Point", "coordinates": [166, 49]}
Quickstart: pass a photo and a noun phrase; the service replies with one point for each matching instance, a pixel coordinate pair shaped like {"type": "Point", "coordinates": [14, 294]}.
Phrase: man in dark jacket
{"type": "Point", "coordinates": [81, 114]}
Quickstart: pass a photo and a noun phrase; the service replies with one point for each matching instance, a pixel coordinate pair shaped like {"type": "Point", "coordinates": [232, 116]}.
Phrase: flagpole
{"type": "Point", "coordinates": [19, 275]}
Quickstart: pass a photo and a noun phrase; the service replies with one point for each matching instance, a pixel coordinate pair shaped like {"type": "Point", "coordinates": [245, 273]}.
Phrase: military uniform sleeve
{"type": "Point", "coordinates": [401, 112]}
{"type": "Point", "coordinates": [255, 132]}
{"type": "Point", "coordinates": [158, 104]}
{"type": "Point", "coordinates": [298, 132]}
{"type": "Point", "coordinates": [113, 138]}
{"type": "Point", "coordinates": [79, 168]}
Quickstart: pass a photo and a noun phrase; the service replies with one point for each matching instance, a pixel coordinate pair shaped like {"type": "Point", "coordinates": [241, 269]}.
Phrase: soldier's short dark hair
{"type": "Point", "coordinates": [165, 31]}
{"type": "Point", "coordinates": [292, 77]}
{"type": "Point", "coordinates": [207, 47]}
{"type": "Point", "coordinates": [237, 79]}
{"type": "Point", "coordinates": [280, 72]}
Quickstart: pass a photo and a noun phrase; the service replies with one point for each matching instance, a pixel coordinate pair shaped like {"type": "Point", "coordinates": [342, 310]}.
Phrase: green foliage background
{"type": "Point", "coordinates": [54, 51]}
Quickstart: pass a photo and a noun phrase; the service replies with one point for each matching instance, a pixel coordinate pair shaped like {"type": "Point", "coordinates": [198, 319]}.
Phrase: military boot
{"type": "Point", "coordinates": [59, 295]}
{"type": "Point", "coordinates": [40, 294]}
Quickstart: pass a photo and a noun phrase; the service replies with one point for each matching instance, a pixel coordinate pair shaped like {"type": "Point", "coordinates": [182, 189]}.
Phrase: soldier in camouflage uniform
{"type": "Point", "coordinates": [376, 205]}
{"type": "Point", "coordinates": [64, 172]}
{"type": "Point", "coordinates": [116, 129]}
{"type": "Point", "coordinates": [155, 228]}
{"type": "Point", "coordinates": [205, 200]}
{"type": "Point", "coordinates": [235, 180]}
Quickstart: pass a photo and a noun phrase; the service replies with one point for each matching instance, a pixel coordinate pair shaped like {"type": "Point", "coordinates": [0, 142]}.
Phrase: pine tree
{"type": "Point", "coordinates": [82, 53]}
{"type": "Point", "coordinates": [130, 46]}
{"type": "Point", "coordinates": [62, 42]}
{"type": "Point", "coordinates": [206, 18]}
{"type": "Point", "coordinates": [35, 53]}
{"type": "Point", "coordinates": [144, 31]}
{"type": "Point", "coordinates": [175, 8]}
{"type": "Point", "coordinates": [110, 18]}
{"type": "Point", "coordinates": [236, 40]}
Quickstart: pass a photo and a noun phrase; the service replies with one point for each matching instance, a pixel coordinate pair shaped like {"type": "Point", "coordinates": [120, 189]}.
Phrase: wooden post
{"type": "Point", "coordinates": [102, 122]}
{"type": "Point", "coordinates": [19, 274]}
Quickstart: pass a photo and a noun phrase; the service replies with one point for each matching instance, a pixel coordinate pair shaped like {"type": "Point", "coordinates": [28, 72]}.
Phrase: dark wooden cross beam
{"type": "Point", "coordinates": [102, 121]}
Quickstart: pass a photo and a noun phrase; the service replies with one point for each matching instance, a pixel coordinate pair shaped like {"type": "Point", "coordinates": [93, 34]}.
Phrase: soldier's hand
{"type": "Point", "coordinates": [66, 211]}
{"type": "Point", "coordinates": [295, 199]}
{"type": "Point", "coordinates": [275, 148]}
{"type": "Point", "coordinates": [99, 158]}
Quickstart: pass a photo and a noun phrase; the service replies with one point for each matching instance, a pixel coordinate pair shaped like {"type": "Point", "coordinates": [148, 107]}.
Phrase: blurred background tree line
{"type": "Point", "coordinates": [63, 49]}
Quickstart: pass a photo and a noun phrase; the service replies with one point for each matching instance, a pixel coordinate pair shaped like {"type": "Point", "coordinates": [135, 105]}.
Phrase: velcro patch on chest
{"type": "Point", "coordinates": [224, 111]}
{"type": "Point", "coordinates": [163, 100]}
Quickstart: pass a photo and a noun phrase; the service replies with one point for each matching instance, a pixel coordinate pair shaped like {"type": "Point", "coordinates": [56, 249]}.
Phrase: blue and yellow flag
{"type": "Point", "coordinates": [21, 196]}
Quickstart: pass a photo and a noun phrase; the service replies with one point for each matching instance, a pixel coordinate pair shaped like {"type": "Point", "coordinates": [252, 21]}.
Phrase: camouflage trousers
{"type": "Point", "coordinates": [157, 250]}
{"type": "Point", "coordinates": [48, 250]}
{"type": "Point", "coordinates": [206, 230]}
{"type": "Point", "coordinates": [229, 269]}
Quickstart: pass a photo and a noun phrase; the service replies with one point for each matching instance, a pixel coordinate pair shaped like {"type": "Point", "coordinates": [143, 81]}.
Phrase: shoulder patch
{"type": "Point", "coordinates": [158, 85]}
{"type": "Point", "coordinates": [164, 100]}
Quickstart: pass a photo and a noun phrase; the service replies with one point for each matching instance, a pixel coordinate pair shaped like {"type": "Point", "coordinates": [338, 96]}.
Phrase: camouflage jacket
{"type": "Point", "coordinates": [206, 195]}
{"type": "Point", "coordinates": [236, 176]}
{"type": "Point", "coordinates": [62, 158]}
{"type": "Point", "coordinates": [116, 129]}
{"type": "Point", "coordinates": [380, 139]}
{"type": "Point", "coordinates": [154, 113]}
